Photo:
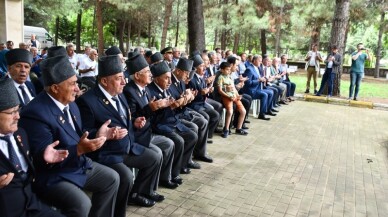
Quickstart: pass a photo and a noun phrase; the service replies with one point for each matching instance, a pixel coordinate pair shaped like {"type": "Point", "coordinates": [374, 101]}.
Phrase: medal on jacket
{"type": "Point", "coordinates": [105, 101]}
{"type": "Point", "coordinates": [61, 119]}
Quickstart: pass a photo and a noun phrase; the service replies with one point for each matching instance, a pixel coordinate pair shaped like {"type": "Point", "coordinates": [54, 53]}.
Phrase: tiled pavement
{"type": "Point", "coordinates": [312, 159]}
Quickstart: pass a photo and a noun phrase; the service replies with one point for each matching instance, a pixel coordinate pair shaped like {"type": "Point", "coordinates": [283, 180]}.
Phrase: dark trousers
{"type": "Point", "coordinates": [329, 78]}
{"type": "Point", "coordinates": [275, 98]}
{"type": "Point", "coordinates": [212, 116]}
{"type": "Point", "coordinates": [355, 80]}
{"type": "Point", "coordinates": [166, 145]}
{"type": "Point", "coordinates": [290, 88]}
{"type": "Point", "coordinates": [265, 98]}
{"type": "Point", "coordinates": [203, 131]}
{"type": "Point", "coordinates": [102, 181]}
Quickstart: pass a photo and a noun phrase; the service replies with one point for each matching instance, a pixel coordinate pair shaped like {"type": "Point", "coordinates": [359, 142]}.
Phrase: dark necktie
{"type": "Point", "coordinates": [12, 153]}
{"type": "Point", "coordinates": [26, 99]}
{"type": "Point", "coordinates": [66, 114]}
{"type": "Point", "coordinates": [144, 96]}
{"type": "Point", "coordinates": [119, 108]}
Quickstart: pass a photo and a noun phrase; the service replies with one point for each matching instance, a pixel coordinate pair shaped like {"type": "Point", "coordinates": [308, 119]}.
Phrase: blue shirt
{"type": "Point", "coordinates": [3, 63]}
{"type": "Point", "coordinates": [358, 64]}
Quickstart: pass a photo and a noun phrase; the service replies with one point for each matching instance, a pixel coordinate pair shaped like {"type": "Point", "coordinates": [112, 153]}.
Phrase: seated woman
{"type": "Point", "coordinates": [229, 95]}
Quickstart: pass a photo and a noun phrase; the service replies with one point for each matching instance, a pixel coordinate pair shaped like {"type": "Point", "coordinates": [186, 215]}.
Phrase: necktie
{"type": "Point", "coordinates": [144, 96]}
{"type": "Point", "coordinates": [12, 153]}
{"type": "Point", "coordinates": [119, 108]}
{"type": "Point", "coordinates": [26, 99]}
{"type": "Point", "coordinates": [66, 114]}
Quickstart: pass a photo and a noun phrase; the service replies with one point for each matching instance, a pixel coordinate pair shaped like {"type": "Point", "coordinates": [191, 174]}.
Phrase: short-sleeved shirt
{"type": "Point", "coordinates": [223, 81]}
{"type": "Point", "coordinates": [358, 64]}
{"type": "Point", "coordinates": [87, 63]}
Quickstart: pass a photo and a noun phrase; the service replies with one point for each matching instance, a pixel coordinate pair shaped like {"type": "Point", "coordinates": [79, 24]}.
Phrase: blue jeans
{"type": "Point", "coordinates": [355, 79]}
{"type": "Point", "coordinates": [329, 78]}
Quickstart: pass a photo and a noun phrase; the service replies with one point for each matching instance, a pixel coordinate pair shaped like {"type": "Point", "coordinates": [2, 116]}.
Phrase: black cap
{"type": "Point", "coordinates": [166, 50]}
{"type": "Point", "coordinates": [194, 53]}
{"type": "Point", "coordinates": [56, 69]}
{"type": "Point", "coordinates": [9, 97]}
{"type": "Point", "coordinates": [113, 51]}
{"type": "Point", "coordinates": [18, 55]}
{"type": "Point", "coordinates": [156, 57]}
{"type": "Point", "coordinates": [185, 64]}
{"type": "Point", "coordinates": [56, 51]}
{"type": "Point", "coordinates": [109, 65]}
{"type": "Point", "coordinates": [197, 60]}
{"type": "Point", "coordinates": [148, 53]}
{"type": "Point", "coordinates": [159, 69]}
{"type": "Point", "coordinates": [136, 63]}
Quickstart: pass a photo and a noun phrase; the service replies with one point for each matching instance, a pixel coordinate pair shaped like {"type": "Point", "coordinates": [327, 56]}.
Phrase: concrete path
{"type": "Point", "coordinates": [312, 159]}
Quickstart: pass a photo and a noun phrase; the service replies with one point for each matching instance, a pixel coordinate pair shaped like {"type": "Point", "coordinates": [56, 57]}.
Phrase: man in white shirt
{"type": "Point", "coordinates": [88, 68]}
{"type": "Point", "coordinates": [313, 59]}
{"type": "Point", "coordinates": [73, 57]}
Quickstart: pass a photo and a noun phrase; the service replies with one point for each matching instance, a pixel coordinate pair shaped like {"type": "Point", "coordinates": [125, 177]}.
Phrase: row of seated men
{"type": "Point", "coordinates": [153, 123]}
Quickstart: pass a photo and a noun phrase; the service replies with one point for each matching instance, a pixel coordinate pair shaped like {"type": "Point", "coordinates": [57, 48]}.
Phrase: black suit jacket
{"type": "Point", "coordinates": [96, 109]}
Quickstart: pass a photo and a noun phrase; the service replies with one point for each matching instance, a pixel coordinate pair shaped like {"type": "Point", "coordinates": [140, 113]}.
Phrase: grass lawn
{"type": "Point", "coordinates": [371, 89]}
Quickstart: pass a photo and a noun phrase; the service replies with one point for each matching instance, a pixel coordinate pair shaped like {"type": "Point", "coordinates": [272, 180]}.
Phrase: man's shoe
{"type": "Point", "coordinates": [209, 141]}
{"type": "Point", "coordinates": [349, 98]}
{"type": "Point", "coordinates": [193, 165]}
{"type": "Point", "coordinates": [168, 184]}
{"type": "Point", "coordinates": [271, 113]}
{"type": "Point", "coordinates": [244, 127]}
{"type": "Point", "coordinates": [274, 110]}
{"type": "Point", "coordinates": [283, 102]}
{"type": "Point", "coordinates": [355, 99]}
{"type": "Point", "coordinates": [247, 122]}
{"type": "Point", "coordinates": [217, 130]}
{"type": "Point", "coordinates": [139, 200]}
{"type": "Point", "coordinates": [315, 91]}
{"type": "Point", "coordinates": [178, 180]}
{"type": "Point", "coordinates": [317, 94]}
{"type": "Point", "coordinates": [185, 171]}
{"type": "Point", "coordinates": [307, 91]}
{"type": "Point", "coordinates": [262, 117]}
{"type": "Point", "coordinates": [155, 197]}
{"type": "Point", "coordinates": [241, 132]}
{"type": "Point", "coordinates": [205, 158]}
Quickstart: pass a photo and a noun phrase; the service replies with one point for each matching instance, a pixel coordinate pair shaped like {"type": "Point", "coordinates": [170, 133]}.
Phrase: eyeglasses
{"type": "Point", "coordinates": [13, 113]}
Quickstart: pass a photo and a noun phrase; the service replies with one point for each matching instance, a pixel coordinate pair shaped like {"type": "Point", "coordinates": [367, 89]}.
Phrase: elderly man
{"type": "Point", "coordinates": [88, 68]}
{"type": "Point", "coordinates": [16, 169]}
{"type": "Point", "coordinates": [122, 152]}
{"type": "Point", "coordinates": [33, 42]}
{"type": "Point", "coordinates": [165, 121]}
{"type": "Point", "coordinates": [167, 56]}
{"type": "Point", "coordinates": [53, 116]}
{"type": "Point", "coordinates": [137, 95]}
{"type": "Point", "coordinates": [72, 56]}
{"type": "Point", "coordinates": [176, 55]}
{"type": "Point", "coordinates": [36, 59]}
{"type": "Point", "coordinates": [19, 65]}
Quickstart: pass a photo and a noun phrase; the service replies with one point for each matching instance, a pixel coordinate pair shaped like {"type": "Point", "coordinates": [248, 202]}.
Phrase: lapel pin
{"type": "Point", "coordinates": [160, 95]}
{"type": "Point", "coordinates": [106, 101]}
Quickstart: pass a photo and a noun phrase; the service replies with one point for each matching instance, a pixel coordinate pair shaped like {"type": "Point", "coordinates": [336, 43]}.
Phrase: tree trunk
{"type": "Point", "coordinates": [379, 45]}
{"type": "Point", "coordinates": [236, 42]}
{"type": "Point", "coordinates": [215, 39]}
{"type": "Point", "coordinates": [177, 24]}
{"type": "Point", "coordinates": [121, 24]}
{"type": "Point", "coordinates": [100, 28]}
{"type": "Point", "coordinates": [149, 31]}
{"type": "Point", "coordinates": [196, 26]}
{"type": "Point", "coordinates": [138, 36]}
{"type": "Point", "coordinates": [338, 36]}
{"type": "Point", "coordinates": [78, 30]}
{"type": "Point", "coordinates": [129, 25]}
{"type": "Point", "coordinates": [167, 15]}
{"type": "Point", "coordinates": [56, 30]}
{"type": "Point", "coordinates": [316, 34]}
{"type": "Point", "coordinates": [225, 19]}
{"type": "Point", "coordinates": [263, 42]}
{"type": "Point", "coordinates": [278, 31]}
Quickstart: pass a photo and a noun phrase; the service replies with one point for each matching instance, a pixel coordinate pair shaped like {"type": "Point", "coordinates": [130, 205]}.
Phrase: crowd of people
{"type": "Point", "coordinates": [76, 123]}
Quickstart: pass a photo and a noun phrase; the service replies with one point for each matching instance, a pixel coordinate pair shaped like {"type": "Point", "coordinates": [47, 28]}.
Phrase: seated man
{"type": "Point", "coordinates": [275, 78]}
{"type": "Point", "coordinates": [283, 69]}
{"type": "Point", "coordinates": [53, 116]}
{"type": "Point", "coordinates": [165, 121]}
{"type": "Point", "coordinates": [122, 152]}
{"type": "Point", "coordinates": [16, 169]}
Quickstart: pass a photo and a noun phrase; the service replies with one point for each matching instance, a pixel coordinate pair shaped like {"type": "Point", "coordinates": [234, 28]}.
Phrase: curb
{"type": "Point", "coordinates": [338, 101]}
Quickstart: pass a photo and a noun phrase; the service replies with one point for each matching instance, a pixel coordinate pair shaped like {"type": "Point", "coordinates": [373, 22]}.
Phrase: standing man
{"type": "Point", "coordinates": [19, 65]}
{"type": "Point", "coordinates": [72, 56]}
{"type": "Point", "coordinates": [357, 69]}
{"type": "Point", "coordinates": [313, 59]}
{"type": "Point", "coordinates": [333, 63]}
{"type": "Point", "coordinates": [16, 169]}
{"type": "Point", "coordinates": [33, 42]}
{"type": "Point", "coordinates": [53, 116]}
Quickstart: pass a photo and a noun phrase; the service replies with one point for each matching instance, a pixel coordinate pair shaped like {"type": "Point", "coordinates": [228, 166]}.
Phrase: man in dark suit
{"type": "Point", "coordinates": [121, 152]}
{"type": "Point", "coordinates": [167, 57]}
{"type": "Point", "coordinates": [53, 116]}
{"type": "Point", "coordinates": [184, 96]}
{"type": "Point", "coordinates": [19, 65]}
{"type": "Point", "coordinates": [165, 121]}
{"type": "Point", "coordinates": [200, 102]}
{"type": "Point", "coordinates": [16, 169]}
{"type": "Point", "coordinates": [140, 104]}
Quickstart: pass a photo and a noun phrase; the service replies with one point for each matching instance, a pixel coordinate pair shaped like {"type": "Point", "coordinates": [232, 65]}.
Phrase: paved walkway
{"type": "Point", "coordinates": [312, 159]}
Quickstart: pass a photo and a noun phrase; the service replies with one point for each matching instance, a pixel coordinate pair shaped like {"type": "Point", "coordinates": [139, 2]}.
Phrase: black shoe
{"type": "Point", "coordinates": [307, 91]}
{"type": "Point", "coordinates": [139, 200]}
{"type": "Point", "coordinates": [317, 94]}
{"type": "Point", "coordinates": [262, 117]}
{"type": "Point", "coordinates": [244, 127]}
{"type": "Point", "coordinates": [205, 158]}
{"type": "Point", "coordinates": [241, 132]}
{"type": "Point", "coordinates": [283, 102]}
{"type": "Point", "coordinates": [271, 113]}
{"type": "Point", "coordinates": [178, 180]}
{"type": "Point", "coordinates": [168, 184]}
{"type": "Point", "coordinates": [274, 110]}
{"type": "Point", "coordinates": [209, 141]}
{"type": "Point", "coordinates": [247, 122]}
{"type": "Point", "coordinates": [155, 197]}
{"type": "Point", "coordinates": [193, 165]}
{"type": "Point", "coordinates": [185, 171]}
{"type": "Point", "coordinates": [315, 91]}
{"type": "Point", "coordinates": [225, 134]}
{"type": "Point", "coordinates": [355, 99]}
{"type": "Point", "coordinates": [230, 132]}
{"type": "Point", "coordinates": [218, 131]}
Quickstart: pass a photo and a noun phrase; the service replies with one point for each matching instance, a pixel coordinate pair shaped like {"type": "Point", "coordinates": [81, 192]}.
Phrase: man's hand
{"type": "Point", "coordinates": [6, 179]}
{"type": "Point", "coordinates": [111, 132]}
{"type": "Point", "coordinates": [140, 122]}
{"type": "Point", "coordinates": [210, 79]}
{"type": "Point", "coordinates": [86, 145]}
{"type": "Point", "coordinates": [52, 155]}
